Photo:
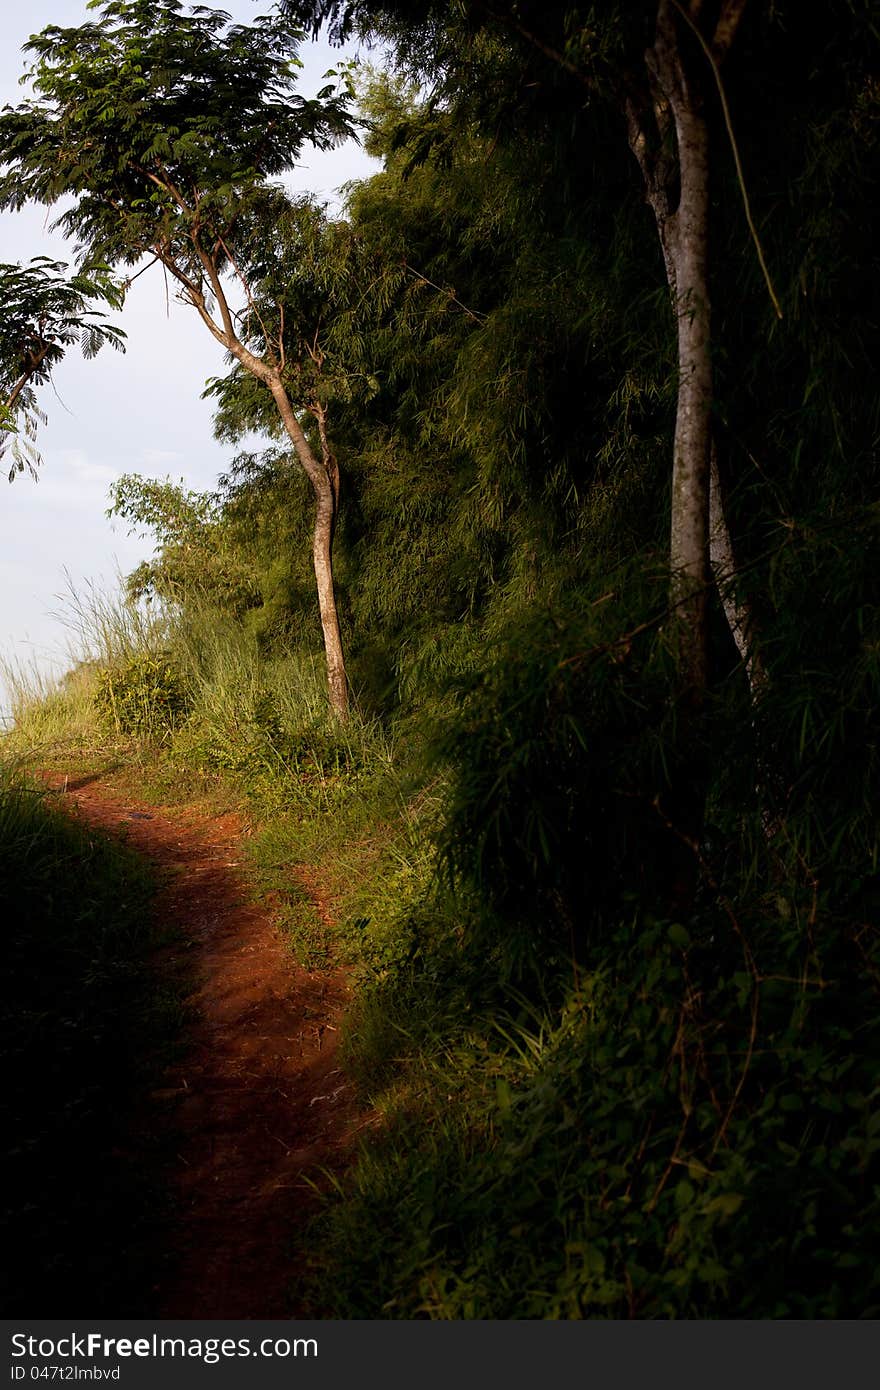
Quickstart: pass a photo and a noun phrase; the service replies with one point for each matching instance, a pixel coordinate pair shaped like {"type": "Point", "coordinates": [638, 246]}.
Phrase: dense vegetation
{"type": "Point", "coordinates": [600, 819]}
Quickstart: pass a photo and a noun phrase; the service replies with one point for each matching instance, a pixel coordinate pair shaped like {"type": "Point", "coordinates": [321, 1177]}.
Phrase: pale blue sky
{"type": "Point", "coordinates": [140, 412]}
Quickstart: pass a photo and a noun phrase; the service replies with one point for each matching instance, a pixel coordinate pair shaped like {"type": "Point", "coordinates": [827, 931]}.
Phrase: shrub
{"type": "Point", "coordinates": [147, 696]}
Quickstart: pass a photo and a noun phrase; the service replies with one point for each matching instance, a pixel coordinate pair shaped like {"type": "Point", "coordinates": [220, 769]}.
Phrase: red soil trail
{"type": "Point", "coordinates": [258, 1097]}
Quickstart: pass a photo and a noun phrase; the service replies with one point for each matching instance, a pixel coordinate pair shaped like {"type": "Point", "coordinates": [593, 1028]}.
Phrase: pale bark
{"type": "Point", "coordinates": [689, 522]}
{"type": "Point", "coordinates": [325, 485]}
{"type": "Point", "coordinates": [669, 137]}
{"type": "Point", "coordinates": [323, 476]}
{"type": "Point", "coordinates": [676, 105]}
{"type": "Point", "coordinates": [684, 237]}
{"type": "Point", "coordinates": [737, 611]}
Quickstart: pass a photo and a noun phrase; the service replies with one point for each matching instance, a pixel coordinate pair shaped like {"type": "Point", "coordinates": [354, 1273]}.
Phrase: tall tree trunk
{"type": "Point", "coordinates": [322, 557]}
{"type": "Point", "coordinates": [324, 478]}
{"type": "Point", "coordinates": [689, 522]}
{"type": "Point", "coordinates": [684, 237]}
{"type": "Point", "coordinates": [669, 137]}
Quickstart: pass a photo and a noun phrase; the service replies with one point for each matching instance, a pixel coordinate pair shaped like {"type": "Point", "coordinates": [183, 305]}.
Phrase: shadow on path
{"type": "Point", "coordinates": [257, 1097]}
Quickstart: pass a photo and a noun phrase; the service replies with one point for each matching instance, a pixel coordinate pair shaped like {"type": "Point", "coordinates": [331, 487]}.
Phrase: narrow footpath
{"type": "Point", "coordinates": [257, 1098]}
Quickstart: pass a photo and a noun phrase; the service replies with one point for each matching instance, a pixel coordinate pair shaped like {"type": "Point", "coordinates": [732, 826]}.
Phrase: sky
{"type": "Point", "coordinates": [139, 412]}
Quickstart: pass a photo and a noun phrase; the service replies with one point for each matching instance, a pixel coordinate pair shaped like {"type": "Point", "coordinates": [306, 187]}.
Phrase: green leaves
{"type": "Point", "coordinates": [43, 313]}
{"type": "Point", "coordinates": [146, 697]}
{"type": "Point", "coordinates": [150, 99]}
{"type": "Point", "coordinates": [679, 936]}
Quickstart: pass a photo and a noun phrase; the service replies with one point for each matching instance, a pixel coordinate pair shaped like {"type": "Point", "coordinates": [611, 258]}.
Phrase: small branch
{"type": "Point", "coordinates": [170, 264]}
{"type": "Point", "coordinates": [165, 185]}
{"type": "Point", "coordinates": [753, 1033]}
{"type": "Point", "coordinates": [131, 279]}
{"type": "Point", "coordinates": [624, 642]}
{"type": "Point", "coordinates": [247, 289]}
{"type": "Point", "coordinates": [725, 29]}
{"type": "Point", "coordinates": [449, 294]}
{"type": "Point", "coordinates": [673, 1159]}
{"type": "Point", "coordinates": [314, 351]}
{"type": "Point", "coordinates": [554, 54]}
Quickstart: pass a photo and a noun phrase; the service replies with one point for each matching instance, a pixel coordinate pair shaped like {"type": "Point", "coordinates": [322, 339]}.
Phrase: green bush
{"type": "Point", "coordinates": [565, 749]}
{"type": "Point", "coordinates": [146, 697]}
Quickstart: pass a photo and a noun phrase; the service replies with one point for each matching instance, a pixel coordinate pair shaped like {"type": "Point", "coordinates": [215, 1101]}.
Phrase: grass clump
{"type": "Point", "coordinates": [47, 711]}
{"type": "Point", "coordinates": [120, 681]}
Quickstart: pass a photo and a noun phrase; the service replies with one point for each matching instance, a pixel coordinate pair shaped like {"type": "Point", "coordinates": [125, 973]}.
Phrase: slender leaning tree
{"type": "Point", "coordinates": [163, 130]}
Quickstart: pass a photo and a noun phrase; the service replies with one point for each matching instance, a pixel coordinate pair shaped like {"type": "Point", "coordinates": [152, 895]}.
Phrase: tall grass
{"type": "Point", "coordinates": [109, 628]}
{"type": "Point", "coordinates": [106, 631]}
{"type": "Point", "coordinates": [238, 709]}
{"type": "Point", "coordinates": [46, 709]}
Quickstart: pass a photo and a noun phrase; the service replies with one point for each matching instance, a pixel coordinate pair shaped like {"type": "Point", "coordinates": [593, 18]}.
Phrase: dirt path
{"type": "Point", "coordinates": [258, 1097]}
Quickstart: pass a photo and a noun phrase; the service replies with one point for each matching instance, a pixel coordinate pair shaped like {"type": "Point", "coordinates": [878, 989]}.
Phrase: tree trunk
{"type": "Point", "coordinates": [324, 477]}
{"type": "Point", "coordinates": [674, 159]}
{"type": "Point", "coordinates": [684, 235]}
{"type": "Point", "coordinates": [325, 485]}
{"type": "Point", "coordinates": [322, 556]}
{"type": "Point", "coordinates": [678, 170]}
{"type": "Point", "coordinates": [739, 616]}
{"type": "Point", "coordinates": [689, 523]}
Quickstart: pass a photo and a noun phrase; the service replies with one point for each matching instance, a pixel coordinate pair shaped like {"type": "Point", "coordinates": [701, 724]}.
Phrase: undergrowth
{"type": "Point", "coordinates": [588, 1102]}
{"type": "Point", "coordinates": [624, 1156]}
{"type": "Point", "coordinates": [593, 1105]}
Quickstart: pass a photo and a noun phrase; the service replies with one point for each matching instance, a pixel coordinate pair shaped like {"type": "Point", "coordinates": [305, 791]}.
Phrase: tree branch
{"type": "Point", "coordinates": [449, 293]}
{"type": "Point", "coordinates": [197, 298]}
{"type": "Point", "coordinates": [165, 185]}
{"type": "Point", "coordinates": [34, 361]}
{"type": "Point", "coordinates": [725, 30]}
{"type": "Point", "coordinates": [737, 611]}
{"type": "Point", "coordinates": [247, 290]}
{"type": "Point", "coordinates": [554, 54]}
{"type": "Point", "coordinates": [213, 275]}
